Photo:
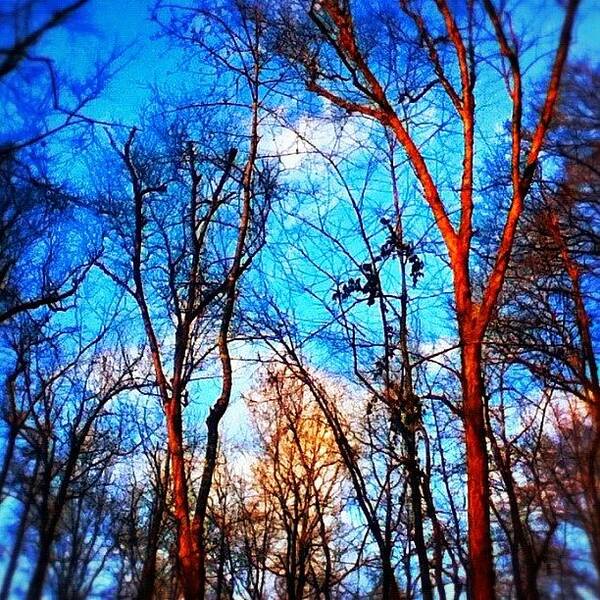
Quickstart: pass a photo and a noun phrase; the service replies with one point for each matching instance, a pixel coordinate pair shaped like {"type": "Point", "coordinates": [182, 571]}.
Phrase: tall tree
{"type": "Point", "coordinates": [302, 475]}
{"type": "Point", "coordinates": [337, 53]}
{"type": "Point", "coordinates": [546, 320]}
{"type": "Point", "coordinates": [197, 221]}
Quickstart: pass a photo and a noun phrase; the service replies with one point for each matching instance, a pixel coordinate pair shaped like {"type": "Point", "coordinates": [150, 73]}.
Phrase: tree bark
{"type": "Point", "coordinates": [389, 585]}
{"type": "Point", "coordinates": [417, 509]}
{"type": "Point", "coordinates": [189, 553]}
{"type": "Point", "coordinates": [8, 454]}
{"type": "Point", "coordinates": [481, 576]}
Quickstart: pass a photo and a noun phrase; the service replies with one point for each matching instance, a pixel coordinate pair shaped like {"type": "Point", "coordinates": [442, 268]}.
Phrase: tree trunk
{"type": "Point", "coordinates": [481, 575]}
{"type": "Point", "coordinates": [221, 564]}
{"type": "Point", "coordinates": [438, 536]}
{"type": "Point", "coordinates": [16, 550]}
{"type": "Point", "coordinates": [47, 527]}
{"type": "Point", "coordinates": [148, 575]}
{"type": "Point", "coordinates": [389, 585]}
{"type": "Point", "coordinates": [189, 555]}
{"type": "Point", "coordinates": [8, 453]}
{"type": "Point", "coordinates": [417, 509]}
{"type": "Point", "coordinates": [36, 584]}
{"type": "Point", "coordinates": [522, 558]}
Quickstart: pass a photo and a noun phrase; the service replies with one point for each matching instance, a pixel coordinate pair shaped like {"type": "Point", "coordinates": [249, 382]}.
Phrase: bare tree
{"type": "Point", "coordinates": [197, 224]}
{"type": "Point", "coordinates": [36, 266]}
{"type": "Point", "coordinates": [70, 435]}
{"type": "Point", "coordinates": [545, 322]}
{"type": "Point", "coordinates": [350, 78]}
{"type": "Point", "coordinates": [302, 475]}
{"type": "Point", "coordinates": [33, 84]}
{"type": "Point", "coordinates": [38, 100]}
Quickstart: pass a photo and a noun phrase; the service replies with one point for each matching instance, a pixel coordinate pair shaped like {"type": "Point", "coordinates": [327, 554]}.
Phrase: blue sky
{"type": "Point", "coordinates": [148, 59]}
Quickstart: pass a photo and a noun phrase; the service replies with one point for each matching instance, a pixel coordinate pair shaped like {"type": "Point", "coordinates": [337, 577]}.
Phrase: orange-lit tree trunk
{"type": "Point", "coordinates": [481, 575]}
{"type": "Point", "coordinates": [190, 523]}
{"type": "Point", "coordinates": [190, 559]}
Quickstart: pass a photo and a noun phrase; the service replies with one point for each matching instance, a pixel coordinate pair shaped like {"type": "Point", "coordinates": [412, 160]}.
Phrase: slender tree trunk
{"type": "Point", "coordinates": [389, 585]}
{"type": "Point", "coordinates": [189, 553]}
{"type": "Point", "coordinates": [46, 528]}
{"type": "Point", "coordinates": [411, 406]}
{"type": "Point", "coordinates": [210, 463]}
{"type": "Point", "coordinates": [417, 509]}
{"type": "Point", "coordinates": [219, 408]}
{"type": "Point", "coordinates": [148, 575]}
{"type": "Point", "coordinates": [52, 513]}
{"type": "Point", "coordinates": [438, 538]}
{"type": "Point", "coordinates": [8, 454]}
{"type": "Point", "coordinates": [36, 584]}
{"type": "Point", "coordinates": [524, 564]}
{"type": "Point", "coordinates": [481, 576]}
{"type": "Point", "coordinates": [18, 543]}
{"type": "Point", "coordinates": [221, 564]}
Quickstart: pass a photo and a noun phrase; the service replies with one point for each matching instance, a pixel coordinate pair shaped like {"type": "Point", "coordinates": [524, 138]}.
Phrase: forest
{"type": "Point", "coordinates": [299, 299]}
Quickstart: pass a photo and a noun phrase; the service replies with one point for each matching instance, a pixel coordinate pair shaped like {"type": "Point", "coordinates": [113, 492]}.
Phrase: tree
{"type": "Point", "coordinates": [68, 436]}
{"type": "Point", "coordinates": [39, 97]}
{"type": "Point", "coordinates": [36, 269]}
{"type": "Point", "coordinates": [301, 473]}
{"type": "Point", "coordinates": [197, 223]}
{"type": "Point", "coordinates": [28, 31]}
{"type": "Point", "coordinates": [338, 61]}
{"type": "Point", "coordinates": [545, 321]}
{"type": "Point", "coordinates": [38, 100]}
{"type": "Point", "coordinates": [313, 189]}
{"type": "Point", "coordinates": [243, 516]}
